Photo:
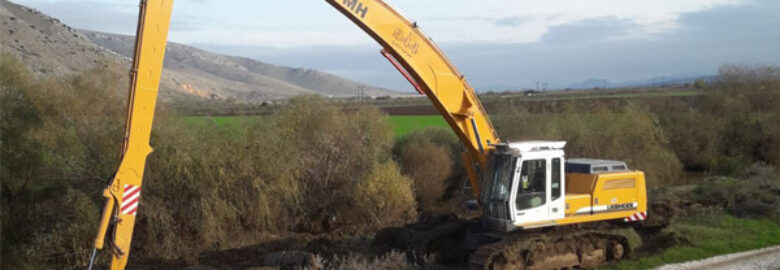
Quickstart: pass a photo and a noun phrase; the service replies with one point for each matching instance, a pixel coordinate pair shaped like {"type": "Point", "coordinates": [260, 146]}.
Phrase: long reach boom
{"type": "Point", "coordinates": [412, 52]}
{"type": "Point", "coordinates": [123, 194]}
{"type": "Point", "coordinates": [431, 73]}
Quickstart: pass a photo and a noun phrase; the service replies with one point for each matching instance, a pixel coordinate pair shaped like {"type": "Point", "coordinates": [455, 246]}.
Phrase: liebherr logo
{"type": "Point", "coordinates": [624, 206]}
{"type": "Point", "coordinates": [356, 6]}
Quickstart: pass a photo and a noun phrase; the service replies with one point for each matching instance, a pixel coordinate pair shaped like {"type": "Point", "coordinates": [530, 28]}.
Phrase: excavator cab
{"type": "Point", "coordinates": [525, 186]}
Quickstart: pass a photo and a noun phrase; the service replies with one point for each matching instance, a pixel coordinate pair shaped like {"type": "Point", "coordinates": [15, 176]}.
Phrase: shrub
{"type": "Point", "coordinates": [205, 187]}
{"type": "Point", "coordinates": [753, 196]}
{"type": "Point", "coordinates": [720, 144]}
{"type": "Point", "coordinates": [430, 166]}
{"type": "Point", "coordinates": [753, 88]}
{"type": "Point", "coordinates": [385, 196]}
{"type": "Point", "coordinates": [696, 146]}
{"type": "Point", "coordinates": [57, 152]}
{"type": "Point", "coordinates": [629, 133]}
{"type": "Point", "coordinates": [700, 84]}
{"type": "Point", "coordinates": [20, 155]}
{"type": "Point", "coordinates": [770, 125]}
{"type": "Point", "coordinates": [733, 127]}
{"type": "Point", "coordinates": [314, 167]}
{"type": "Point", "coordinates": [336, 147]}
{"type": "Point", "coordinates": [431, 157]}
{"type": "Point", "coordinates": [72, 222]}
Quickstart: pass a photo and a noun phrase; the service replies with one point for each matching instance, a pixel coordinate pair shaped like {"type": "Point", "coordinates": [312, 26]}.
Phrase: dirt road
{"type": "Point", "coordinates": [765, 258]}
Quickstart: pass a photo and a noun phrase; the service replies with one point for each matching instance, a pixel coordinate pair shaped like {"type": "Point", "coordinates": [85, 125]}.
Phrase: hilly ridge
{"type": "Point", "coordinates": [48, 47]}
{"type": "Point", "coordinates": [243, 75]}
{"type": "Point", "coordinates": [45, 44]}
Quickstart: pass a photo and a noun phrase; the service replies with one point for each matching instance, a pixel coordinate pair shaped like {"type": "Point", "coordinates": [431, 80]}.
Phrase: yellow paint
{"type": "Point", "coordinates": [103, 226]}
{"type": "Point", "coordinates": [624, 195]}
{"type": "Point", "coordinates": [620, 183]}
{"type": "Point", "coordinates": [447, 88]}
{"type": "Point", "coordinates": [576, 201]}
{"type": "Point", "coordinates": [154, 21]}
{"type": "Point", "coordinates": [608, 189]}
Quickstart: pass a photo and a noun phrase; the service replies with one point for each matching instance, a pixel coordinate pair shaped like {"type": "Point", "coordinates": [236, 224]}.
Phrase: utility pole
{"type": "Point", "coordinates": [361, 93]}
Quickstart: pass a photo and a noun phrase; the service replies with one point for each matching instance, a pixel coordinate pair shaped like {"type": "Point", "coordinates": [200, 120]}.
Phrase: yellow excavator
{"type": "Point", "coordinates": [527, 190]}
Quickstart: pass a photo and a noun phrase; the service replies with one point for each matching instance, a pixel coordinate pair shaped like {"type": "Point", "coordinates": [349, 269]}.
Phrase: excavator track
{"type": "Point", "coordinates": [557, 250]}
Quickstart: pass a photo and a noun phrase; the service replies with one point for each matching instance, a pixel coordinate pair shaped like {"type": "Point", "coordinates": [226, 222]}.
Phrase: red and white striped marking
{"type": "Point", "coordinates": [636, 217]}
{"type": "Point", "coordinates": [130, 199]}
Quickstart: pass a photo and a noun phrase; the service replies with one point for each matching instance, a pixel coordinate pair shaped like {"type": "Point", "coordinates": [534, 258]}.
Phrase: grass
{"type": "Point", "coordinates": [405, 124]}
{"type": "Point", "coordinates": [401, 124]}
{"type": "Point", "coordinates": [711, 236]}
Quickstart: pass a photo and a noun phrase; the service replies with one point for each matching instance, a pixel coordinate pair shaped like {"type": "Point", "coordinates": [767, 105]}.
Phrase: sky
{"type": "Point", "coordinates": [497, 44]}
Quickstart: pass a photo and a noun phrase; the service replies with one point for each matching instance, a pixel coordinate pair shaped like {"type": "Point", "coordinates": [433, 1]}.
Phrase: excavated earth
{"type": "Point", "coordinates": [301, 249]}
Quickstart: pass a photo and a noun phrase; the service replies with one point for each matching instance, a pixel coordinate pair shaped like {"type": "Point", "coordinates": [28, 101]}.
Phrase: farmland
{"type": "Point", "coordinates": [401, 124]}
{"type": "Point", "coordinates": [410, 114]}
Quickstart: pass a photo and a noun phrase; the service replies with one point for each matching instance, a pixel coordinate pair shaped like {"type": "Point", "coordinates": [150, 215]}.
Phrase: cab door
{"type": "Point", "coordinates": [556, 189]}
{"type": "Point", "coordinates": [531, 194]}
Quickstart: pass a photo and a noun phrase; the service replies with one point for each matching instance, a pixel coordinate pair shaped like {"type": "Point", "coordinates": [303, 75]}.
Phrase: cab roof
{"type": "Point", "coordinates": [528, 146]}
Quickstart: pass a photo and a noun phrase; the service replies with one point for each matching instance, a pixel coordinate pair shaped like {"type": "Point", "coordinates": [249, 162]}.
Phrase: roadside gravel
{"type": "Point", "coordinates": [765, 258]}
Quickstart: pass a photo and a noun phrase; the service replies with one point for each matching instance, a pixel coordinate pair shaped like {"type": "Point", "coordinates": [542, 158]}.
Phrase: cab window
{"type": "Point", "coordinates": [532, 187]}
{"type": "Point", "coordinates": [555, 181]}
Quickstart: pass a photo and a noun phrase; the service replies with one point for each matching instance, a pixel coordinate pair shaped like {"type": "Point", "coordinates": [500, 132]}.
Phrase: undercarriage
{"type": "Point", "coordinates": [451, 241]}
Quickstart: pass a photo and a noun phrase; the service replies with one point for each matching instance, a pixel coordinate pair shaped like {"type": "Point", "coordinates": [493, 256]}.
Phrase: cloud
{"type": "Point", "coordinates": [612, 48]}
{"type": "Point", "coordinates": [274, 22]}
{"type": "Point", "coordinates": [590, 29]}
{"type": "Point", "coordinates": [513, 21]}
{"type": "Point", "coordinates": [751, 16]}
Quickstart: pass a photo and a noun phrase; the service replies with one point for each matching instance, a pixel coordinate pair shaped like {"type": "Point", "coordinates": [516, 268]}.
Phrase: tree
{"type": "Point", "coordinates": [699, 84]}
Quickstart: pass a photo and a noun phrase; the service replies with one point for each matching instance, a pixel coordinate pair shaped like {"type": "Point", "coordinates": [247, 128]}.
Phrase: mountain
{"type": "Point", "coordinates": [653, 82]}
{"type": "Point", "coordinates": [46, 45]}
{"type": "Point", "coordinates": [50, 47]}
{"type": "Point", "coordinates": [234, 76]}
{"type": "Point", "coordinates": [592, 83]}
{"type": "Point", "coordinates": [670, 80]}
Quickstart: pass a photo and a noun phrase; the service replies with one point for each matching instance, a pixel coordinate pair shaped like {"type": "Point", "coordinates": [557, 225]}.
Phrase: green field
{"type": "Point", "coordinates": [401, 124]}
{"type": "Point", "coordinates": [405, 124]}
{"type": "Point", "coordinates": [709, 236]}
